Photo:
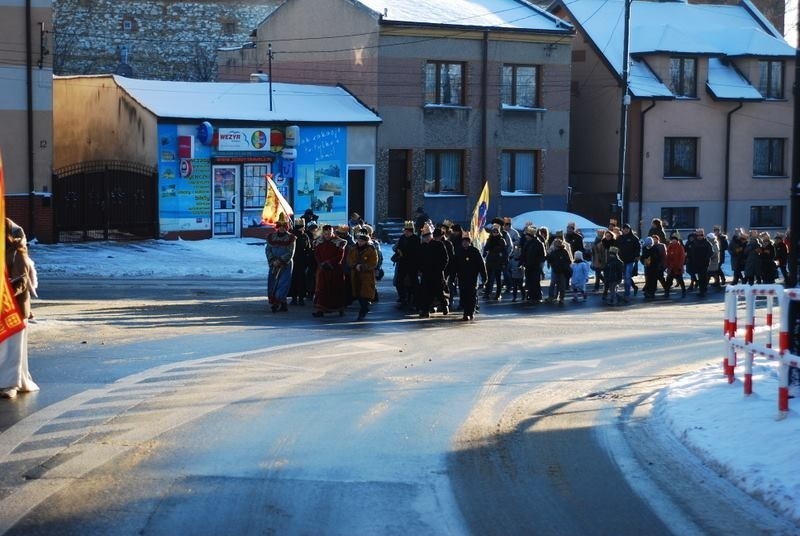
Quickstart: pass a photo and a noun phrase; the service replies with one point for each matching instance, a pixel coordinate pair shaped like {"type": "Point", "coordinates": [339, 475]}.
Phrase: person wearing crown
{"type": "Point", "coordinates": [406, 259]}
{"type": "Point", "coordinates": [280, 251]}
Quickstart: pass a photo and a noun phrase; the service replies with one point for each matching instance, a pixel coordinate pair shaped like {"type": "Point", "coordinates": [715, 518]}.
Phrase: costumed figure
{"type": "Point", "coordinates": [406, 258]}
{"type": "Point", "coordinates": [363, 261]}
{"type": "Point", "coordinates": [300, 260]}
{"type": "Point", "coordinates": [329, 290]}
{"type": "Point", "coordinates": [433, 263]}
{"type": "Point", "coordinates": [14, 374]}
{"type": "Point", "coordinates": [279, 251]}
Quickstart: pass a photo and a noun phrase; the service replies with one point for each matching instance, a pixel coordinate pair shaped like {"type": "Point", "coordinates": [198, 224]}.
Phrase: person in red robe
{"type": "Point", "coordinates": [329, 293]}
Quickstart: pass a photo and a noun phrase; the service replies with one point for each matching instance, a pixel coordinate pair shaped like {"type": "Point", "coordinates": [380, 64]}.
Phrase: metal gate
{"type": "Point", "coordinates": [105, 200]}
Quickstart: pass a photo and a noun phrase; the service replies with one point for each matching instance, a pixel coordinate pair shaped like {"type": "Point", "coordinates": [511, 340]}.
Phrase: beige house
{"type": "Point", "coordinates": [709, 132]}
{"type": "Point", "coordinates": [26, 105]}
{"type": "Point", "coordinates": [468, 91]}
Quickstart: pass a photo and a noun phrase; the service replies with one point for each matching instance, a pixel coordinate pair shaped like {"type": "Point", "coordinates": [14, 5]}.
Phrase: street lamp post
{"type": "Point", "coordinates": [623, 120]}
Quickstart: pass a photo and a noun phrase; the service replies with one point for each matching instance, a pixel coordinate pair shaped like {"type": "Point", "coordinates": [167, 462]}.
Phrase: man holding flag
{"type": "Point", "coordinates": [280, 247]}
{"type": "Point", "coordinates": [478, 223]}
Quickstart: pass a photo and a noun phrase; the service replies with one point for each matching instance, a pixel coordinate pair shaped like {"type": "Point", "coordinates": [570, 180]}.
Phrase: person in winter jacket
{"type": "Point", "coordinates": [560, 270]}
{"type": "Point", "coordinates": [701, 257]}
{"type": "Point", "coordinates": [736, 248]}
{"type": "Point", "coordinates": [653, 260]}
{"type": "Point", "coordinates": [629, 252]}
{"type": "Point", "coordinates": [722, 240]}
{"type": "Point", "coordinates": [534, 254]}
{"type": "Point", "coordinates": [600, 255]}
{"type": "Point", "coordinates": [495, 253]}
{"type": "Point", "coordinates": [517, 269]}
{"type": "Point", "coordinates": [613, 274]}
{"type": "Point", "coordinates": [752, 263]}
{"type": "Point", "coordinates": [768, 268]}
{"type": "Point", "coordinates": [469, 266]}
{"type": "Point", "coordinates": [433, 265]}
{"type": "Point", "coordinates": [580, 276]}
{"type": "Point", "coordinates": [713, 263]}
{"type": "Point", "coordinates": [676, 258]}
{"type": "Point", "coordinates": [363, 261]}
{"type": "Point", "coordinates": [781, 256]}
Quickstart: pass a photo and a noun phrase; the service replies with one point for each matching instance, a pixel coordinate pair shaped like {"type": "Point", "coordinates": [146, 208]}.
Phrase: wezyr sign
{"type": "Point", "coordinates": [244, 139]}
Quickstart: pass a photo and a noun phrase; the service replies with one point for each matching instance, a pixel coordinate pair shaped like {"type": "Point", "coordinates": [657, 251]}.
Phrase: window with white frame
{"type": "Point", "coordinates": [680, 158]}
{"type": "Point", "coordinates": [767, 216]}
{"type": "Point", "coordinates": [518, 171]}
{"type": "Point", "coordinates": [683, 77]}
{"type": "Point", "coordinates": [768, 157]}
{"type": "Point", "coordinates": [443, 172]}
{"type": "Point", "coordinates": [770, 79]}
{"type": "Point", "coordinates": [519, 85]}
{"type": "Point", "coordinates": [444, 83]}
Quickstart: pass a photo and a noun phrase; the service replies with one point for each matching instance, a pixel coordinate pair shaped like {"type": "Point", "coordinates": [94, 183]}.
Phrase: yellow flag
{"type": "Point", "coordinates": [11, 320]}
{"type": "Point", "coordinates": [478, 224]}
{"type": "Point", "coordinates": [275, 205]}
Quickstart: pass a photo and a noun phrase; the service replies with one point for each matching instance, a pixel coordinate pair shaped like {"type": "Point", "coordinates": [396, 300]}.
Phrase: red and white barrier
{"type": "Point", "coordinates": [756, 339]}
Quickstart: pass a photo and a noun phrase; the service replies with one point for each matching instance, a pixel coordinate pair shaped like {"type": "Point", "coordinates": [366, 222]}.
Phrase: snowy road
{"type": "Point", "coordinates": [516, 424]}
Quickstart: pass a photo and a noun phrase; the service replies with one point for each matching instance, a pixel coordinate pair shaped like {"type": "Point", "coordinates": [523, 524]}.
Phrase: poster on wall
{"type": "Point", "coordinates": [184, 202]}
{"type": "Point", "coordinates": [320, 173]}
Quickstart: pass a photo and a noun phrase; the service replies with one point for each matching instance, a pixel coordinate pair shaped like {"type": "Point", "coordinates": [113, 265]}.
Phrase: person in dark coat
{"type": "Point", "coordinates": [701, 253]}
{"type": "Point", "coordinates": [613, 274]}
{"type": "Point", "coordinates": [533, 256]}
{"type": "Point", "coordinates": [560, 270]}
{"type": "Point", "coordinates": [738, 243]}
{"type": "Point", "coordinates": [440, 235]}
{"type": "Point", "coordinates": [629, 252]}
{"type": "Point", "coordinates": [495, 251]}
{"type": "Point", "coordinates": [432, 265]}
{"type": "Point", "coordinates": [469, 267]}
{"type": "Point", "coordinates": [406, 258]}
{"type": "Point", "coordinates": [302, 253]}
{"type": "Point", "coordinates": [653, 260]}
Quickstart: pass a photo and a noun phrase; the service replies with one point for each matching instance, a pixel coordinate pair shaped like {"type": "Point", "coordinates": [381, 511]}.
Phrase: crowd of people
{"type": "Point", "coordinates": [437, 263]}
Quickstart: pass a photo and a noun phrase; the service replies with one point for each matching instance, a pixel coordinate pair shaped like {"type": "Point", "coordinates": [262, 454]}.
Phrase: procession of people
{"type": "Point", "coordinates": [441, 268]}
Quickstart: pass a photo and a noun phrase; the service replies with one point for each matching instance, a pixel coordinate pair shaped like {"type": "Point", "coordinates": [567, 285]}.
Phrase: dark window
{"type": "Point", "coordinates": [443, 172]}
{"type": "Point", "coordinates": [683, 77]}
{"type": "Point", "coordinates": [518, 171]}
{"type": "Point", "coordinates": [679, 217]}
{"type": "Point", "coordinates": [767, 216]}
{"type": "Point", "coordinates": [444, 83]}
{"type": "Point", "coordinates": [229, 27]}
{"type": "Point", "coordinates": [520, 85]}
{"type": "Point", "coordinates": [768, 157]}
{"type": "Point", "coordinates": [680, 157]}
{"type": "Point", "coordinates": [770, 79]}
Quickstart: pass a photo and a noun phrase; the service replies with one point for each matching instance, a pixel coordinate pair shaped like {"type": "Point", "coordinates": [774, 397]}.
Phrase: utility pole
{"type": "Point", "coordinates": [623, 119]}
{"type": "Point", "coordinates": [269, 73]}
{"type": "Point", "coordinates": [794, 207]}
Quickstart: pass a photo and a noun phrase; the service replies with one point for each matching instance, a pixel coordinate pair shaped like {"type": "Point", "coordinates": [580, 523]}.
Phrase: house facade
{"type": "Point", "coordinates": [468, 92]}
{"type": "Point", "coordinates": [26, 139]}
{"type": "Point", "coordinates": [213, 145]}
{"type": "Point", "coordinates": [709, 130]}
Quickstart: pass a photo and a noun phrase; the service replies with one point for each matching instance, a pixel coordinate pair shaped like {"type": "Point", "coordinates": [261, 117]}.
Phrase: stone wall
{"type": "Point", "coordinates": [152, 39]}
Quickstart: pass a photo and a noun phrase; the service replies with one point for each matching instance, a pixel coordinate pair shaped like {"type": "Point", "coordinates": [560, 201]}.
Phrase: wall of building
{"type": "Point", "coordinates": [156, 39]}
{"type": "Point", "coordinates": [96, 120]}
{"type": "Point", "coordinates": [27, 154]}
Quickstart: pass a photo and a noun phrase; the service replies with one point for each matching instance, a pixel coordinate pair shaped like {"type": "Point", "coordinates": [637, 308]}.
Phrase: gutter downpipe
{"type": "Point", "coordinates": [484, 111]}
{"type": "Point", "coordinates": [29, 94]}
{"type": "Point", "coordinates": [726, 195]}
{"type": "Point", "coordinates": [641, 157]}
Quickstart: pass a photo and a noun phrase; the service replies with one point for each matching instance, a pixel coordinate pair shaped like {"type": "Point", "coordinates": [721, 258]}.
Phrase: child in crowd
{"type": "Point", "coordinates": [580, 276]}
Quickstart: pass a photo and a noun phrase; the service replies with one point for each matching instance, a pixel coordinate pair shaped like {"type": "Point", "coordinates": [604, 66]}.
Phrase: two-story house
{"type": "Point", "coordinates": [469, 91]}
{"type": "Point", "coordinates": [709, 131]}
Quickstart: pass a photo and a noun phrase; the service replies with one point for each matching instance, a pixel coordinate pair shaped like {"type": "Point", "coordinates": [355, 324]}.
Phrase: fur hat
{"type": "Point", "coordinates": [312, 225]}
{"type": "Point", "coordinates": [342, 229]}
{"type": "Point", "coordinates": [368, 229]}
{"type": "Point", "coordinates": [530, 230]}
{"type": "Point", "coordinates": [362, 236]}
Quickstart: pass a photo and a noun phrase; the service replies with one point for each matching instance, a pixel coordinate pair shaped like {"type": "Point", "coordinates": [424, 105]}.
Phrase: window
{"type": "Point", "coordinates": [518, 171]}
{"type": "Point", "coordinates": [127, 25]}
{"type": "Point", "coordinates": [683, 77]}
{"type": "Point", "coordinates": [228, 27]}
{"type": "Point", "coordinates": [444, 83]}
{"type": "Point", "coordinates": [443, 172]}
{"type": "Point", "coordinates": [768, 157]}
{"type": "Point", "coordinates": [520, 85]}
{"type": "Point", "coordinates": [679, 217]}
{"type": "Point", "coordinates": [680, 157]}
{"type": "Point", "coordinates": [254, 193]}
{"type": "Point", "coordinates": [767, 216]}
{"type": "Point", "coordinates": [770, 79]}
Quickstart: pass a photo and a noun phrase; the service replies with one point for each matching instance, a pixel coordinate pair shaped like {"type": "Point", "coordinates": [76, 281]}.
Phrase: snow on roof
{"type": "Point", "coordinates": [508, 14]}
{"type": "Point", "coordinates": [247, 101]}
{"type": "Point", "coordinates": [725, 82]}
{"type": "Point", "coordinates": [642, 82]}
{"type": "Point", "coordinates": [675, 27]}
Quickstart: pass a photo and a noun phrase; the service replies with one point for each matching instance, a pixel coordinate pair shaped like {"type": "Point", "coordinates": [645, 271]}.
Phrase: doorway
{"type": "Point", "coordinates": [399, 184]}
{"type": "Point", "coordinates": [356, 188]}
